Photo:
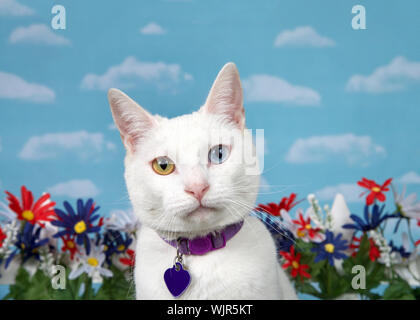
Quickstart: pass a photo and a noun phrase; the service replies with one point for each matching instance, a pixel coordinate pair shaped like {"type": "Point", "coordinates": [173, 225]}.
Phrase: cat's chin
{"type": "Point", "coordinates": [201, 213]}
{"type": "Point", "coordinates": [199, 222]}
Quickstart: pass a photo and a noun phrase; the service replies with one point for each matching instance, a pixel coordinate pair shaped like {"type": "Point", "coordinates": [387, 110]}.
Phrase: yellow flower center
{"type": "Point", "coordinates": [80, 227]}
{"type": "Point", "coordinates": [22, 245]}
{"type": "Point", "coordinates": [105, 247]}
{"type": "Point", "coordinates": [28, 215]}
{"type": "Point", "coordinates": [93, 261]}
{"type": "Point", "coordinates": [301, 233]}
{"type": "Point", "coordinates": [121, 247]}
{"type": "Point", "coordinates": [295, 265]}
{"type": "Point", "coordinates": [329, 247]}
{"type": "Point", "coordinates": [70, 244]}
{"type": "Point", "coordinates": [376, 189]}
{"type": "Point", "coordinates": [400, 209]}
{"type": "Point", "coordinates": [308, 226]}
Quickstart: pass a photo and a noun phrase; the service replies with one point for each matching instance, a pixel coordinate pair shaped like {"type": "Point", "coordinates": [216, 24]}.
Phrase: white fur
{"type": "Point", "coordinates": [247, 268]}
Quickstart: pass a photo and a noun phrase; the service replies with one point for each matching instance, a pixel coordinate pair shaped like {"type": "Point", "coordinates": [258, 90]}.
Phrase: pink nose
{"type": "Point", "coordinates": [197, 190]}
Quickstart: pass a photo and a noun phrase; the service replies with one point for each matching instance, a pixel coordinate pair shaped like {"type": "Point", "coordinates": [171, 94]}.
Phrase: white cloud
{"type": "Point", "coordinates": [14, 87]}
{"type": "Point", "coordinates": [152, 29]}
{"type": "Point", "coordinates": [393, 77]}
{"type": "Point", "coordinates": [267, 88]}
{"type": "Point", "coordinates": [37, 34]}
{"type": "Point", "coordinates": [350, 191]}
{"type": "Point", "coordinates": [82, 144]}
{"type": "Point", "coordinates": [14, 8]}
{"type": "Point", "coordinates": [131, 71]}
{"type": "Point", "coordinates": [302, 37]}
{"type": "Point", "coordinates": [74, 189]}
{"type": "Point", "coordinates": [409, 178]}
{"type": "Point", "coordinates": [347, 147]}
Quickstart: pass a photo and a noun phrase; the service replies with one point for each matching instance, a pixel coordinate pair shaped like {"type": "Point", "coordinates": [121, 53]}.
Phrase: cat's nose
{"type": "Point", "coordinates": [197, 190]}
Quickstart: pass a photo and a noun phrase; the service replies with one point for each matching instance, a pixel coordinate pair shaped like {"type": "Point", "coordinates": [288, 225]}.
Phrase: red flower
{"type": "Point", "coordinates": [417, 242]}
{"type": "Point", "coordinates": [69, 244]}
{"type": "Point", "coordinates": [130, 260]}
{"type": "Point", "coordinates": [286, 203]}
{"type": "Point", "coordinates": [306, 228]}
{"type": "Point", "coordinates": [374, 252]}
{"type": "Point", "coordinates": [41, 210]}
{"type": "Point", "coordinates": [294, 262]}
{"type": "Point", "coordinates": [376, 191]}
{"type": "Point", "coordinates": [355, 245]}
{"type": "Point", "coordinates": [2, 237]}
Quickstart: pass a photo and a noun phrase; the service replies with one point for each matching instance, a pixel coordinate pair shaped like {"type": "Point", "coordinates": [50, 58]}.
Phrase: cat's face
{"type": "Point", "coordinates": [194, 173]}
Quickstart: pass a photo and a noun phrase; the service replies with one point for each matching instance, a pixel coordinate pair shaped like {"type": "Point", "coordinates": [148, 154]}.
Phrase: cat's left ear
{"type": "Point", "coordinates": [225, 97]}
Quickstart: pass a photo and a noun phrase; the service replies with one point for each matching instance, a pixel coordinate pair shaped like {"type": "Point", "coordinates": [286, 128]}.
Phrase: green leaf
{"type": "Point", "coordinates": [306, 287]}
{"type": "Point", "coordinates": [116, 287]}
{"type": "Point", "coordinates": [399, 290]}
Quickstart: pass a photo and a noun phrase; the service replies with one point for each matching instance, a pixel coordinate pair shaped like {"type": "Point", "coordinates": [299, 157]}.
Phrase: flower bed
{"type": "Point", "coordinates": [328, 253]}
{"type": "Point", "coordinates": [332, 253]}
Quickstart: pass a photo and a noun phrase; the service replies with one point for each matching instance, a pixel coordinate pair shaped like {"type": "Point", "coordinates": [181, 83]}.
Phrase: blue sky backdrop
{"type": "Point", "coordinates": [336, 104]}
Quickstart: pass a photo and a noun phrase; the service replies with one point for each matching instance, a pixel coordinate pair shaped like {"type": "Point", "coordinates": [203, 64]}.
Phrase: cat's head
{"type": "Point", "coordinates": [191, 174]}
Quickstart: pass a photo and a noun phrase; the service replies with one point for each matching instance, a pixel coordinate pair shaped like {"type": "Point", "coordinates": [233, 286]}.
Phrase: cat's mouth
{"type": "Point", "coordinates": [201, 211]}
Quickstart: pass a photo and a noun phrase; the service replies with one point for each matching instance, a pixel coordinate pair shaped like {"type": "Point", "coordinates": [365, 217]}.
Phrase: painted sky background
{"type": "Point", "coordinates": [336, 104]}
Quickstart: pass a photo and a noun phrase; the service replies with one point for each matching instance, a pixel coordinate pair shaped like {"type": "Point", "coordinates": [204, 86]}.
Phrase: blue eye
{"type": "Point", "coordinates": [218, 154]}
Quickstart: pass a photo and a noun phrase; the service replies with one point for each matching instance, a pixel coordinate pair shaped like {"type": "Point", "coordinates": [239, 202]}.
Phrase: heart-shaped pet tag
{"type": "Point", "coordinates": [177, 279]}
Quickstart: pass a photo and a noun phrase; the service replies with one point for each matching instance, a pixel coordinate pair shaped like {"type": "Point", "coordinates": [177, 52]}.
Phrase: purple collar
{"type": "Point", "coordinates": [210, 242]}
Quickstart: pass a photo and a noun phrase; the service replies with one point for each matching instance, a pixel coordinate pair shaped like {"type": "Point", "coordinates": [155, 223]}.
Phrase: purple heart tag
{"type": "Point", "coordinates": [177, 279]}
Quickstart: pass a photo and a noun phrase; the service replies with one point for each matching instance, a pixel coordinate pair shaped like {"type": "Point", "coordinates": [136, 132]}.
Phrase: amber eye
{"type": "Point", "coordinates": [163, 166]}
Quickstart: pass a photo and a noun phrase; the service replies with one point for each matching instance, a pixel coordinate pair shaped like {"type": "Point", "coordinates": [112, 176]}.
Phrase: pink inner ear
{"type": "Point", "coordinates": [135, 130]}
{"type": "Point", "coordinates": [225, 97]}
{"type": "Point", "coordinates": [132, 120]}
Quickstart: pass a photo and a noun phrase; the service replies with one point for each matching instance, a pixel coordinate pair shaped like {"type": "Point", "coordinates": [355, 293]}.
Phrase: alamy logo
{"type": "Point", "coordinates": [359, 20]}
{"type": "Point", "coordinates": [58, 280]}
{"type": "Point", "coordinates": [359, 280]}
{"type": "Point", "coordinates": [59, 20]}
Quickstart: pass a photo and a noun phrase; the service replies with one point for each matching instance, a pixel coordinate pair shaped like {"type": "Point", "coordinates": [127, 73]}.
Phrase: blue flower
{"type": "Point", "coordinates": [401, 250]}
{"type": "Point", "coordinates": [28, 243]}
{"type": "Point", "coordinates": [330, 248]}
{"type": "Point", "coordinates": [370, 221]}
{"type": "Point", "coordinates": [78, 224]}
{"type": "Point", "coordinates": [115, 242]}
{"type": "Point", "coordinates": [283, 237]}
{"type": "Point", "coordinates": [284, 240]}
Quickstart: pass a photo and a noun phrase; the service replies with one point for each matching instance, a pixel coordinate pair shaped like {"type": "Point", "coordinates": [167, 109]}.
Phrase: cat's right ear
{"type": "Point", "coordinates": [132, 121]}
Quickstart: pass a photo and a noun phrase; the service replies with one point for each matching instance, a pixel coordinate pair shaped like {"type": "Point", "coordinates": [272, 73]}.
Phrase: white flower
{"type": "Point", "coordinates": [322, 220]}
{"type": "Point", "coordinates": [408, 268]}
{"type": "Point", "coordinates": [410, 271]}
{"type": "Point", "coordinates": [11, 230]}
{"type": "Point", "coordinates": [91, 263]}
{"type": "Point", "coordinates": [6, 212]}
{"type": "Point", "coordinates": [121, 220]}
{"type": "Point", "coordinates": [407, 206]}
{"type": "Point", "coordinates": [386, 257]}
{"type": "Point", "coordinates": [46, 261]}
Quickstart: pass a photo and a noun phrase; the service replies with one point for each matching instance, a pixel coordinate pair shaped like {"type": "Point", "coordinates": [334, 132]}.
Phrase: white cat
{"type": "Point", "coordinates": [186, 178]}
